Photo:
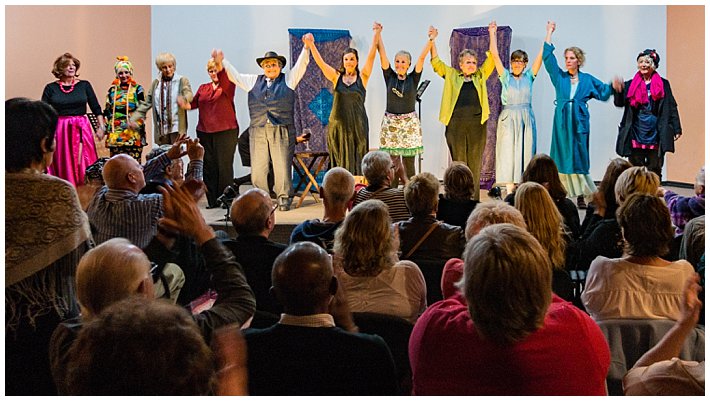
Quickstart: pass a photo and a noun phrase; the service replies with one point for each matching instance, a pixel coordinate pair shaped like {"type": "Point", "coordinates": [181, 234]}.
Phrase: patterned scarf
{"type": "Point", "coordinates": [638, 95]}
{"type": "Point", "coordinates": [166, 104]}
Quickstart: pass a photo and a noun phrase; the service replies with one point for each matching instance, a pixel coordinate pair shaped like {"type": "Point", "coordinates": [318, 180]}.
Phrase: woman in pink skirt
{"type": "Point", "coordinates": [69, 96]}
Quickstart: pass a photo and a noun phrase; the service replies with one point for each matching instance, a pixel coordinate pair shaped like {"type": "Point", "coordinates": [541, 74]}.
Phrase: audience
{"type": "Point", "coordinates": [543, 170]}
{"type": "Point", "coordinates": [253, 219]}
{"type": "Point", "coordinates": [603, 237]}
{"type": "Point", "coordinates": [46, 233]}
{"type": "Point", "coordinates": [372, 278]}
{"type": "Point", "coordinates": [379, 170]}
{"type": "Point", "coordinates": [684, 208]}
{"type": "Point", "coordinates": [119, 210]}
{"type": "Point", "coordinates": [137, 346]}
{"type": "Point", "coordinates": [304, 353]}
{"type": "Point", "coordinates": [423, 236]}
{"type": "Point", "coordinates": [502, 328]}
{"type": "Point", "coordinates": [533, 343]}
{"type": "Point", "coordinates": [486, 214]}
{"type": "Point", "coordinates": [456, 203]}
{"type": "Point", "coordinates": [603, 204]}
{"type": "Point", "coordinates": [336, 191]}
{"type": "Point", "coordinates": [118, 269]}
{"type": "Point", "coordinates": [639, 285]}
{"type": "Point", "coordinates": [659, 371]}
{"type": "Point", "coordinates": [544, 222]}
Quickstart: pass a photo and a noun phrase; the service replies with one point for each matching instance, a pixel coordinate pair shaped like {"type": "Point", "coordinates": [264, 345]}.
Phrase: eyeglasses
{"type": "Point", "coordinates": [269, 65]}
{"type": "Point", "coordinates": [273, 209]}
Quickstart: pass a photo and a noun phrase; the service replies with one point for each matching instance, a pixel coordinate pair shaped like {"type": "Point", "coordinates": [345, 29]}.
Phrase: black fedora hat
{"type": "Point", "coordinates": [269, 55]}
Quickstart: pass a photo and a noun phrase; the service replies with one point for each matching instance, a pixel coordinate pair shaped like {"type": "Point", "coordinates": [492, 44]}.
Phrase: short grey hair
{"type": "Point", "coordinates": [467, 52]}
{"type": "Point", "coordinates": [375, 166]}
{"type": "Point", "coordinates": [405, 54]}
{"type": "Point", "coordinates": [338, 185]}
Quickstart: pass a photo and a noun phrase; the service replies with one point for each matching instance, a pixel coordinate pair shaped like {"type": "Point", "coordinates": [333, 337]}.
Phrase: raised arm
{"type": "Point", "coordinates": [330, 73]}
{"type": "Point", "coordinates": [548, 56]}
{"type": "Point", "coordinates": [367, 68]}
{"type": "Point", "coordinates": [433, 33]}
{"type": "Point", "coordinates": [244, 81]}
{"type": "Point", "coordinates": [384, 61]}
{"type": "Point", "coordinates": [493, 47]}
{"type": "Point", "coordinates": [538, 60]}
{"type": "Point", "coordinates": [299, 68]}
{"type": "Point", "coordinates": [426, 50]}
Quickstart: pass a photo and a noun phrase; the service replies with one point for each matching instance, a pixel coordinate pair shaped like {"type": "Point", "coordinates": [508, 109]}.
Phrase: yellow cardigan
{"type": "Point", "coordinates": [453, 81]}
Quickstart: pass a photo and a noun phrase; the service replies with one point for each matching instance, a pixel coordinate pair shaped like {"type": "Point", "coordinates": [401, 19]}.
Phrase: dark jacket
{"type": "Point", "coordinates": [256, 255]}
{"type": "Point", "coordinates": [444, 243]}
{"type": "Point", "coordinates": [665, 109]}
{"type": "Point", "coordinates": [294, 360]}
{"type": "Point", "coordinates": [319, 232]}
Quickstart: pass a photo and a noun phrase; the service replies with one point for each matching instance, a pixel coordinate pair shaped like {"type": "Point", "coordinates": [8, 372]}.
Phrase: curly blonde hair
{"type": "Point", "coordinates": [543, 219]}
{"type": "Point", "coordinates": [365, 240]}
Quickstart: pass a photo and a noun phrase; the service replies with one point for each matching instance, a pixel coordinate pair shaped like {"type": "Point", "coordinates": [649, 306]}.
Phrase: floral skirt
{"type": "Point", "coordinates": [401, 134]}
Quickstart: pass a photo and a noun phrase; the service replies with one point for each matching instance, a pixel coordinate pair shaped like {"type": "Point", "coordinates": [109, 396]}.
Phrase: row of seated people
{"type": "Point", "coordinates": [365, 275]}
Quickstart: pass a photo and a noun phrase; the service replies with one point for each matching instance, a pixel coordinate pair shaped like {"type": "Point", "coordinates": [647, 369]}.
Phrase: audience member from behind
{"type": "Point", "coordinates": [304, 353]}
{"type": "Point", "coordinates": [423, 236]}
{"type": "Point", "coordinates": [456, 203]}
{"type": "Point", "coordinates": [143, 347]}
{"type": "Point", "coordinates": [639, 285]}
{"type": "Point", "coordinates": [378, 169]}
{"type": "Point", "coordinates": [534, 343]}
{"type": "Point", "coordinates": [544, 222]}
{"type": "Point", "coordinates": [685, 208]}
{"type": "Point", "coordinates": [118, 269]}
{"type": "Point", "coordinates": [659, 371]}
{"type": "Point", "coordinates": [603, 237]}
{"type": "Point", "coordinates": [486, 214]}
{"type": "Point", "coordinates": [603, 204]}
{"type": "Point", "coordinates": [543, 170]}
{"type": "Point", "coordinates": [118, 210]}
{"type": "Point", "coordinates": [336, 191]}
{"type": "Point", "coordinates": [253, 219]}
{"type": "Point", "coordinates": [46, 234]}
{"type": "Point", "coordinates": [372, 278]}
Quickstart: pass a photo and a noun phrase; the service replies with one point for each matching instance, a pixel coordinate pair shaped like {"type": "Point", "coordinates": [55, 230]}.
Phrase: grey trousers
{"type": "Point", "coordinates": [276, 143]}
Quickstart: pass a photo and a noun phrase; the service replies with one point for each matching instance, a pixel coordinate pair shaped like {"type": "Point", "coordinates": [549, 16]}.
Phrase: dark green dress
{"type": "Point", "coordinates": [348, 130]}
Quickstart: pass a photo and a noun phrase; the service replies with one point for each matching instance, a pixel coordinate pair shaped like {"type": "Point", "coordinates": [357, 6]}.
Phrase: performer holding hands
{"type": "Point", "coordinates": [401, 131]}
{"type": "Point", "coordinates": [516, 139]}
{"type": "Point", "coordinates": [348, 128]}
{"type": "Point", "coordinates": [464, 107]}
{"type": "Point", "coordinates": [570, 130]}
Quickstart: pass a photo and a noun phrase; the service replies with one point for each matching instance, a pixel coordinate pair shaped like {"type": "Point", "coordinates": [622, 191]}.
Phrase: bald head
{"type": "Point", "coordinates": [123, 172]}
{"type": "Point", "coordinates": [338, 186]}
{"type": "Point", "coordinates": [302, 279]}
{"type": "Point", "coordinates": [112, 271]}
{"type": "Point", "coordinates": [251, 213]}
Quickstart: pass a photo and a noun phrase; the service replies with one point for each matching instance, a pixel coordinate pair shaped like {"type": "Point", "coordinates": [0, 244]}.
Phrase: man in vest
{"type": "Point", "coordinates": [272, 135]}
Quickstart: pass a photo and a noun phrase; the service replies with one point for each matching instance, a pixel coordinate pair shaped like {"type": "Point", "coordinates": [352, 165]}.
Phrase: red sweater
{"type": "Point", "coordinates": [567, 356]}
{"type": "Point", "coordinates": [217, 111]}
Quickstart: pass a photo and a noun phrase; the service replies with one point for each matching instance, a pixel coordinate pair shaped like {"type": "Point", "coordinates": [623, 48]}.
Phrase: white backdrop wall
{"type": "Point", "coordinates": [611, 36]}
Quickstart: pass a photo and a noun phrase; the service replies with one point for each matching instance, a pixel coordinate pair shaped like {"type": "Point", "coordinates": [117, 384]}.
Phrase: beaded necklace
{"type": "Point", "coordinates": [61, 86]}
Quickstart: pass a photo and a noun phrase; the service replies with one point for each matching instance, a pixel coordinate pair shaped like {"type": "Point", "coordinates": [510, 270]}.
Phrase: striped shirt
{"type": "Point", "coordinates": [392, 197]}
{"type": "Point", "coordinates": [124, 213]}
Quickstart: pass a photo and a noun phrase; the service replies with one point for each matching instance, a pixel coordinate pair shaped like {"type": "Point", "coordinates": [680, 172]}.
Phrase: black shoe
{"type": "Point", "coordinates": [285, 204]}
{"type": "Point", "coordinates": [581, 204]}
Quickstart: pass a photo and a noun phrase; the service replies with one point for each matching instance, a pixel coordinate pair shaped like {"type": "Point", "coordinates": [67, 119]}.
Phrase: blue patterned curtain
{"type": "Point", "coordinates": [477, 40]}
{"type": "Point", "coordinates": [314, 94]}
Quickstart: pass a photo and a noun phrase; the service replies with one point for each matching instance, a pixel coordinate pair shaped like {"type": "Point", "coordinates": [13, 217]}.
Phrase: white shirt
{"type": "Point", "coordinates": [247, 81]}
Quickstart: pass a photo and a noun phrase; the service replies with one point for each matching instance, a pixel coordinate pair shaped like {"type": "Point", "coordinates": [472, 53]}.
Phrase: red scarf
{"type": "Point", "coordinates": [638, 95]}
